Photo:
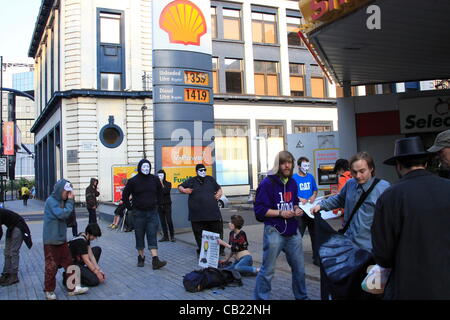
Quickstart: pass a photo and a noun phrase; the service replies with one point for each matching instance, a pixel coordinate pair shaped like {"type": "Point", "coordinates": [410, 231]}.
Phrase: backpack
{"type": "Point", "coordinates": [256, 195]}
{"type": "Point", "coordinates": [207, 278]}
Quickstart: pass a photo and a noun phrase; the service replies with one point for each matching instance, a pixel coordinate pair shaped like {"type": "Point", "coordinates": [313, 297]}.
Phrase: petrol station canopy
{"type": "Point", "coordinates": [413, 43]}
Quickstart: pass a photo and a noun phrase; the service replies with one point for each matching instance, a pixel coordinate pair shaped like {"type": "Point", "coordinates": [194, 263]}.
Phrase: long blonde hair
{"type": "Point", "coordinates": [282, 157]}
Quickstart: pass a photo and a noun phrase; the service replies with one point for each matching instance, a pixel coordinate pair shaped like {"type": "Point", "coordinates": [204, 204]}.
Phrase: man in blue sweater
{"type": "Point", "coordinates": [276, 204]}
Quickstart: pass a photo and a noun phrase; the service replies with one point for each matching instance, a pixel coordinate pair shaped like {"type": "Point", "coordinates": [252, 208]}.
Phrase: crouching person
{"type": "Point", "coordinates": [86, 258]}
{"type": "Point", "coordinates": [58, 208]}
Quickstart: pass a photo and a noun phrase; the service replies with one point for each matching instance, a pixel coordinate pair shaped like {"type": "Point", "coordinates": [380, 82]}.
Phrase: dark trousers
{"type": "Point", "coordinates": [13, 242]}
{"type": "Point", "coordinates": [88, 278]}
{"type": "Point", "coordinates": [75, 229]}
{"type": "Point", "coordinates": [303, 223]}
{"type": "Point", "coordinates": [165, 217]}
{"type": "Point", "coordinates": [212, 226]}
{"type": "Point", "coordinates": [25, 199]}
{"type": "Point", "coordinates": [92, 216]}
{"type": "Point", "coordinates": [56, 256]}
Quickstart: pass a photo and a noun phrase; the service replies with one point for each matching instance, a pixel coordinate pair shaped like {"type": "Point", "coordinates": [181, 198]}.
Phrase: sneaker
{"type": "Point", "coordinates": [111, 225]}
{"type": "Point", "coordinates": [141, 261]}
{"type": "Point", "coordinates": [50, 295]}
{"type": "Point", "coordinates": [163, 239]}
{"type": "Point", "coordinates": [78, 290]}
{"type": "Point", "coordinates": [173, 239]}
{"type": "Point", "coordinates": [114, 227]}
{"type": "Point", "coordinates": [157, 264]}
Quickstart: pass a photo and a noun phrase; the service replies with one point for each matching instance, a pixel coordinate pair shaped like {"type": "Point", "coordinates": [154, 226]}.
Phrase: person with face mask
{"type": "Point", "coordinates": [410, 227]}
{"type": "Point", "coordinates": [57, 209]}
{"type": "Point", "coordinates": [165, 209]}
{"type": "Point", "coordinates": [307, 192]}
{"type": "Point", "coordinates": [146, 192]}
{"type": "Point", "coordinates": [204, 212]}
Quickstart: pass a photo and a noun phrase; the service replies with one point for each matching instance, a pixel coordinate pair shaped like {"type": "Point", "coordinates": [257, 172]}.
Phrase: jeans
{"type": "Point", "coordinates": [243, 265]}
{"type": "Point", "coordinates": [13, 242]}
{"type": "Point", "coordinates": [146, 224]}
{"type": "Point", "coordinates": [273, 244]}
{"type": "Point", "coordinates": [165, 216]}
{"type": "Point", "coordinates": [92, 215]}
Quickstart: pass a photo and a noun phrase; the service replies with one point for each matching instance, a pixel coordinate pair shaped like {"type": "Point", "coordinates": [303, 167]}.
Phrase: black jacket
{"type": "Point", "coordinates": [92, 194]}
{"type": "Point", "coordinates": [11, 220]}
{"type": "Point", "coordinates": [146, 191]}
{"type": "Point", "coordinates": [410, 234]}
{"type": "Point", "coordinates": [166, 188]}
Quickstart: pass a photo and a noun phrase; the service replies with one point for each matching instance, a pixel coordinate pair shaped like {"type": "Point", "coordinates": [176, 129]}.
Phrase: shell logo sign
{"type": "Point", "coordinates": [184, 22]}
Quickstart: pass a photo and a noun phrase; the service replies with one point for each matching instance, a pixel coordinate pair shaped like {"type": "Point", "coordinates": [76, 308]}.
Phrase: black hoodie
{"type": "Point", "coordinates": [167, 187]}
{"type": "Point", "coordinates": [145, 190]}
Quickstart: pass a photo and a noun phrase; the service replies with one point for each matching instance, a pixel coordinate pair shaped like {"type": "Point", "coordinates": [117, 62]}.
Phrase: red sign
{"type": "Point", "coordinates": [8, 138]}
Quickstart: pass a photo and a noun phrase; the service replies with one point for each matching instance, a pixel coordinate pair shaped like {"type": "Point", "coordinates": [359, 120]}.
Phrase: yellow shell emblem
{"type": "Point", "coordinates": [184, 22]}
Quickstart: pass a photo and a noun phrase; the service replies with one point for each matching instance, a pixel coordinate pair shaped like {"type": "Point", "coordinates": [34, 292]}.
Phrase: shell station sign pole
{"type": "Point", "coordinates": [182, 89]}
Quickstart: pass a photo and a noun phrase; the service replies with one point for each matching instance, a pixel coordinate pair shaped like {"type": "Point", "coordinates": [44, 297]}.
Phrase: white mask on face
{"type": "Point", "coordinates": [305, 167]}
{"type": "Point", "coordinates": [201, 173]}
{"type": "Point", "coordinates": [145, 169]}
{"type": "Point", "coordinates": [161, 176]}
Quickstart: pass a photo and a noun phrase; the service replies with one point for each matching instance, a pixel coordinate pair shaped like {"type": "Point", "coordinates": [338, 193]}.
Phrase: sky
{"type": "Point", "coordinates": [17, 21]}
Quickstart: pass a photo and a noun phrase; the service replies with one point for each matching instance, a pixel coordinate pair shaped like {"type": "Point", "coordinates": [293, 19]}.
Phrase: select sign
{"type": "Point", "coordinates": [428, 114]}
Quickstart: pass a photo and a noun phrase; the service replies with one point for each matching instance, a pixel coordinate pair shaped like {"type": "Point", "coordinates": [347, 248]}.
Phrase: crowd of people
{"type": "Point", "coordinates": [403, 227]}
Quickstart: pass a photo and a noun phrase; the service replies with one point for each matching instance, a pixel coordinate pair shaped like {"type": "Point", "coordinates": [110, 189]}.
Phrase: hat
{"type": "Point", "coordinates": [200, 166]}
{"type": "Point", "coordinates": [68, 186]}
{"type": "Point", "coordinates": [407, 148]}
{"type": "Point", "coordinates": [442, 141]}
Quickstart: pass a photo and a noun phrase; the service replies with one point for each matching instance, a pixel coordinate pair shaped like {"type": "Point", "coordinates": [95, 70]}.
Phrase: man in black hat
{"type": "Point", "coordinates": [410, 228]}
{"type": "Point", "coordinates": [204, 212]}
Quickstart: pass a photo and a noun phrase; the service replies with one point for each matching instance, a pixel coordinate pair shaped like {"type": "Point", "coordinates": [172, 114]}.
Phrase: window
{"type": "Point", "coordinates": [271, 142]}
{"type": "Point", "coordinates": [264, 27]}
{"type": "Point", "coordinates": [232, 165]}
{"type": "Point", "coordinates": [215, 73]}
{"type": "Point", "coordinates": [111, 135]}
{"type": "Point", "coordinates": [233, 75]}
{"type": "Point", "coordinates": [297, 72]}
{"type": "Point", "coordinates": [109, 28]}
{"type": "Point", "coordinates": [293, 27]}
{"type": "Point", "coordinates": [312, 127]}
{"type": "Point", "coordinates": [317, 82]}
{"type": "Point", "coordinates": [213, 22]}
{"type": "Point", "coordinates": [110, 50]}
{"type": "Point", "coordinates": [266, 78]}
{"type": "Point", "coordinates": [110, 81]}
{"type": "Point", "coordinates": [231, 24]}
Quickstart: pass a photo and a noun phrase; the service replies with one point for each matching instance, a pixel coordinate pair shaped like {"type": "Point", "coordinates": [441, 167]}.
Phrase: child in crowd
{"type": "Point", "coordinates": [239, 247]}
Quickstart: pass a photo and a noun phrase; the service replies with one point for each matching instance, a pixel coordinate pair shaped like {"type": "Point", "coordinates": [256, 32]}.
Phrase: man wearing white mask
{"type": "Point", "coordinates": [146, 192]}
{"type": "Point", "coordinates": [204, 212]}
{"type": "Point", "coordinates": [165, 209]}
{"type": "Point", "coordinates": [307, 192]}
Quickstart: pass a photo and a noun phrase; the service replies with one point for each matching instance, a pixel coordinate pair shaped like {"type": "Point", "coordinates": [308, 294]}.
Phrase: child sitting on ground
{"type": "Point", "coordinates": [239, 248]}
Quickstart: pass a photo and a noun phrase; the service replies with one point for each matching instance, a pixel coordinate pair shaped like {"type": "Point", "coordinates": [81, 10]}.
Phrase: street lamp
{"type": "Point", "coordinates": [144, 107]}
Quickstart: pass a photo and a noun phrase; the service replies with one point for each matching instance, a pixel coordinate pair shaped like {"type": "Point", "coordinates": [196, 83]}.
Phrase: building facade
{"type": "Point", "coordinates": [93, 77]}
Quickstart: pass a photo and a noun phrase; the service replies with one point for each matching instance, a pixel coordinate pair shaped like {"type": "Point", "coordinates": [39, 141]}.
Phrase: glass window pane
{"type": "Point", "coordinates": [213, 11]}
{"type": "Point", "coordinates": [294, 21]}
{"type": "Point", "coordinates": [318, 87]}
{"type": "Point", "coordinates": [257, 16]}
{"type": "Point", "coordinates": [233, 64]}
{"type": "Point", "coordinates": [272, 85]}
{"type": "Point", "coordinates": [269, 33]}
{"type": "Point", "coordinates": [104, 81]}
{"type": "Point", "coordinates": [110, 30]}
{"type": "Point", "coordinates": [214, 63]}
{"type": "Point", "coordinates": [260, 66]}
{"type": "Point", "coordinates": [257, 32]}
{"type": "Point", "coordinates": [272, 67]}
{"type": "Point", "coordinates": [293, 37]}
{"type": "Point", "coordinates": [269, 17]}
{"type": "Point", "coordinates": [259, 84]}
{"type": "Point", "coordinates": [232, 159]}
{"type": "Point", "coordinates": [232, 29]}
{"type": "Point", "coordinates": [234, 82]}
{"type": "Point", "coordinates": [116, 78]}
{"type": "Point", "coordinates": [213, 27]}
{"type": "Point", "coordinates": [231, 13]}
{"type": "Point", "coordinates": [297, 86]}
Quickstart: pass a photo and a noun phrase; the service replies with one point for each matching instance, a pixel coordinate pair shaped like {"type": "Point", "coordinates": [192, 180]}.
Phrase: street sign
{"type": "Point", "coordinates": [3, 165]}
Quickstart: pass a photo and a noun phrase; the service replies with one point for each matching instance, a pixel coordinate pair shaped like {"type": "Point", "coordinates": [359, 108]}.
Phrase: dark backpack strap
{"type": "Point", "coordinates": [358, 204]}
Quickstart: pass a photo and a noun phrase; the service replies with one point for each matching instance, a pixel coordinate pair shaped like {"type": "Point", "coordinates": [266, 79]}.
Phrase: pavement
{"type": "Point", "coordinates": [125, 281]}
